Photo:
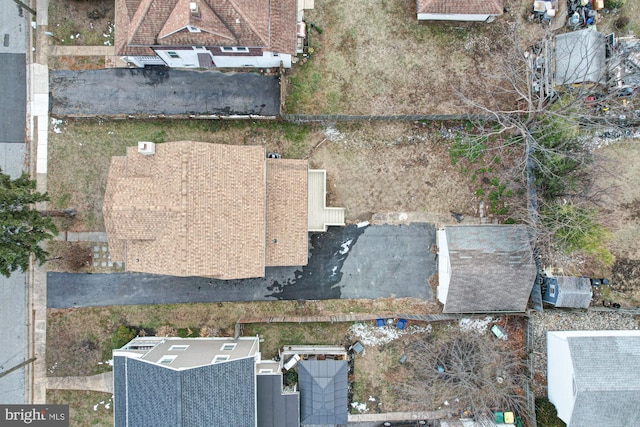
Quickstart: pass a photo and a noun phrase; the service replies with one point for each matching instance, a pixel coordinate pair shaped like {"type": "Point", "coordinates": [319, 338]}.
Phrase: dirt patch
{"type": "Point", "coordinates": [76, 62]}
{"type": "Point", "coordinates": [69, 257]}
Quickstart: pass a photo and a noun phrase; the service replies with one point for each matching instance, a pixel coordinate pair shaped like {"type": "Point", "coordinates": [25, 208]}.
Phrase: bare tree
{"type": "Point", "coordinates": [550, 100]}
{"type": "Point", "coordinates": [473, 371]}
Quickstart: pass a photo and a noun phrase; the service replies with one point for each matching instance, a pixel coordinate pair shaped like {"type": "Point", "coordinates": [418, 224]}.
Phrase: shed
{"type": "Point", "coordinates": [580, 57]}
{"type": "Point", "coordinates": [323, 392]}
{"type": "Point", "coordinates": [566, 291]}
{"type": "Point", "coordinates": [459, 10]}
{"type": "Point", "coordinates": [485, 268]}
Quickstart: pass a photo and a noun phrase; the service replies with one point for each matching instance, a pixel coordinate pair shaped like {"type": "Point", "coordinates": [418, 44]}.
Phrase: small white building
{"type": "Point", "coordinates": [459, 10]}
{"type": "Point", "coordinates": [593, 377]}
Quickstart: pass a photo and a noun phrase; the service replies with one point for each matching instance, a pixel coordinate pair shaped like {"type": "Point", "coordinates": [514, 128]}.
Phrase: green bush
{"type": "Point", "coordinates": [614, 4]}
{"type": "Point", "coordinates": [575, 228]}
{"type": "Point", "coordinates": [188, 332]}
{"type": "Point", "coordinates": [546, 414]}
{"type": "Point", "coordinates": [122, 335]}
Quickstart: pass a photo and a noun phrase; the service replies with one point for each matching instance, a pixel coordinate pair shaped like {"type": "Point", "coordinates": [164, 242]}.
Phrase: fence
{"type": "Point", "coordinates": [530, 400]}
{"type": "Point", "coordinates": [305, 118]}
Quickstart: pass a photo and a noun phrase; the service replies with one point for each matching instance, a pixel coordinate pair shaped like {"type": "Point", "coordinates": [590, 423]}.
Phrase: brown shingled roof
{"type": "Point", "coordinates": [286, 212]}
{"type": "Point", "coordinates": [464, 7]}
{"type": "Point", "coordinates": [268, 24]}
{"type": "Point", "coordinates": [200, 209]}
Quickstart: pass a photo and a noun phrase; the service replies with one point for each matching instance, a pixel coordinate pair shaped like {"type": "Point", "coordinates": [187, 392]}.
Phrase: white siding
{"type": "Point", "coordinates": [560, 375]}
{"type": "Point", "coordinates": [451, 17]}
{"type": "Point", "coordinates": [444, 266]}
{"type": "Point", "coordinates": [189, 59]}
{"type": "Point", "coordinates": [267, 60]}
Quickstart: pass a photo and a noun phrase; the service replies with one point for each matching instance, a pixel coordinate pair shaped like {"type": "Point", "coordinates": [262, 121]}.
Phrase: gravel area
{"type": "Point", "coordinates": [556, 320]}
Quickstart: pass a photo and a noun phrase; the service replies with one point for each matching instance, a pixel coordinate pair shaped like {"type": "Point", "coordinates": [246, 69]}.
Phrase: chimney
{"type": "Point", "coordinates": [193, 8]}
{"type": "Point", "coordinates": [146, 148]}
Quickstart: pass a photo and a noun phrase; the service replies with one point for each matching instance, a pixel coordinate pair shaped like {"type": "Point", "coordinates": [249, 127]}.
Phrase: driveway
{"type": "Point", "coordinates": [375, 261]}
{"type": "Point", "coordinates": [162, 91]}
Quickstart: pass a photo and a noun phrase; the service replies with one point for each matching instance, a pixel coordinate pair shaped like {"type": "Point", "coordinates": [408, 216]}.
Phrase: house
{"type": "Point", "coordinates": [565, 291]}
{"type": "Point", "coordinates": [459, 10]}
{"type": "Point", "coordinates": [322, 381]}
{"type": "Point", "coordinates": [162, 381]}
{"type": "Point", "coordinates": [210, 33]}
{"type": "Point", "coordinates": [580, 57]}
{"type": "Point", "coordinates": [484, 268]}
{"type": "Point", "coordinates": [223, 211]}
{"type": "Point", "coordinates": [593, 377]}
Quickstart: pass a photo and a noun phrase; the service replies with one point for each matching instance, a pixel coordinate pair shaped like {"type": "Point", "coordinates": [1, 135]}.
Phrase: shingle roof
{"type": "Point", "coordinates": [287, 235]}
{"type": "Point", "coordinates": [200, 209]}
{"type": "Point", "coordinates": [268, 24]}
{"type": "Point", "coordinates": [573, 292]}
{"type": "Point", "coordinates": [464, 7]}
{"type": "Point", "coordinates": [149, 394]}
{"type": "Point", "coordinates": [274, 408]}
{"type": "Point", "coordinates": [580, 56]}
{"type": "Point", "coordinates": [492, 268]}
{"type": "Point", "coordinates": [191, 209]}
{"type": "Point", "coordinates": [606, 378]}
{"type": "Point", "coordinates": [323, 391]}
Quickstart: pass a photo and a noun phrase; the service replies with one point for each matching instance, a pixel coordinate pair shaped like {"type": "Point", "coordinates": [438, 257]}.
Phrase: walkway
{"type": "Point", "coordinates": [57, 50]}
{"type": "Point", "coordinates": [101, 382]}
{"type": "Point", "coordinates": [400, 416]}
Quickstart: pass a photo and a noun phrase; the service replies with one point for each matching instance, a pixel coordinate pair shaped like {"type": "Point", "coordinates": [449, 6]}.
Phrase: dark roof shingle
{"type": "Point", "coordinates": [492, 268]}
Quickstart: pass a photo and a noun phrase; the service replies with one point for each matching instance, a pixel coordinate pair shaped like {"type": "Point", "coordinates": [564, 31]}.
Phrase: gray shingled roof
{"type": "Point", "coordinates": [580, 56]}
{"type": "Point", "coordinates": [274, 408]}
{"type": "Point", "coordinates": [221, 394]}
{"type": "Point", "coordinates": [607, 380]}
{"type": "Point", "coordinates": [492, 268]}
{"type": "Point", "coordinates": [573, 292]}
{"type": "Point", "coordinates": [323, 392]}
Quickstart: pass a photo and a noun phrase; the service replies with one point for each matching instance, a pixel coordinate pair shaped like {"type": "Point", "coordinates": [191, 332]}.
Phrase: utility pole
{"type": "Point", "coordinates": [24, 6]}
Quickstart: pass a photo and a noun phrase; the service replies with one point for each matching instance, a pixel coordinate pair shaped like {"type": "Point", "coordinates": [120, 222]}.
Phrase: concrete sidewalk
{"type": "Point", "coordinates": [101, 382]}
{"type": "Point", "coordinates": [57, 50]}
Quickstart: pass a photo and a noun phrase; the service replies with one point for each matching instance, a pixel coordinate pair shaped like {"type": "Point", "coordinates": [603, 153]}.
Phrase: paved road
{"type": "Point", "coordinates": [158, 90]}
{"type": "Point", "coordinates": [346, 262]}
{"type": "Point", "coordinates": [13, 104]}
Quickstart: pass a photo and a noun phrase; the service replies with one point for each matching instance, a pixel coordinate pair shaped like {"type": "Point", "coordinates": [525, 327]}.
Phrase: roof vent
{"type": "Point", "coordinates": [146, 148]}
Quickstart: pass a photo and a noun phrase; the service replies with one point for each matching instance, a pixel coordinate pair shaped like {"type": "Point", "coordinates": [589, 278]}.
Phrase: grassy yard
{"type": "Point", "coordinates": [79, 340]}
{"type": "Point", "coordinates": [376, 58]}
{"type": "Point", "coordinates": [86, 408]}
{"type": "Point", "coordinates": [80, 154]}
{"type": "Point", "coordinates": [371, 167]}
{"type": "Point", "coordinates": [78, 22]}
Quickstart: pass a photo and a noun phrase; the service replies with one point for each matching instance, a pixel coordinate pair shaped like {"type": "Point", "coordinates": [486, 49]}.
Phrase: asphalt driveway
{"type": "Point", "coordinates": [375, 261]}
{"type": "Point", "coordinates": [162, 91]}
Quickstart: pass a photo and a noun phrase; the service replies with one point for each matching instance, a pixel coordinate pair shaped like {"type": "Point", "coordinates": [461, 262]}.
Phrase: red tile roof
{"type": "Point", "coordinates": [267, 24]}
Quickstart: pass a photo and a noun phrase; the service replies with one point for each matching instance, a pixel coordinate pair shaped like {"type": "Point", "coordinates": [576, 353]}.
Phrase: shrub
{"type": "Point", "coordinates": [613, 4]}
{"type": "Point", "coordinates": [546, 414]}
{"type": "Point", "coordinates": [575, 228]}
{"type": "Point", "coordinates": [121, 336]}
